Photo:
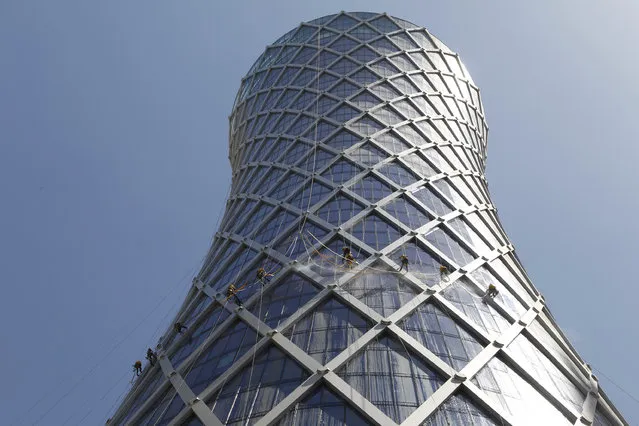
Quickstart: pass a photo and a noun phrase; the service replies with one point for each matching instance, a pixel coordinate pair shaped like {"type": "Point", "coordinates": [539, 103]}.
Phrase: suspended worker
{"type": "Point", "coordinates": [232, 292]}
{"type": "Point", "coordinates": [443, 271]}
{"type": "Point", "coordinates": [262, 274]}
{"type": "Point", "coordinates": [179, 327]}
{"type": "Point", "coordinates": [137, 367]}
{"type": "Point", "coordinates": [404, 260]}
{"type": "Point", "coordinates": [349, 259]}
{"type": "Point", "coordinates": [151, 356]}
{"type": "Point", "coordinates": [490, 293]}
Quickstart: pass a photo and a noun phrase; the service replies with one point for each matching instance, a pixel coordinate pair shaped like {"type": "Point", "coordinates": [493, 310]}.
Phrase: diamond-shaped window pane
{"type": "Point", "coordinates": [344, 89]}
{"type": "Point", "coordinates": [344, 66]}
{"type": "Point", "coordinates": [365, 100]}
{"type": "Point", "coordinates": [371, 188]}
{"type": "Point", "coordinates": [342, 22]}
{"type": "Point", "coordinates": [364, 55]}
{"type": "Point", "coordinates": [516, 396]}
{"type": "Point", "coordinates": [390, 142]}
{"type": "Point", "coordinates": [287, 186]}
{"type": "Point", "coordinates": [300, 125]}
{"type": "Point", "coordinates": [284, 123]}
{"type": "Point", "coordinates": [323, 407]}
{"type": "Point", "coordinates": [403, 63]}
{"type": "Point", "coordinates": [545, 371]}
{"type": "Point", "coordinates": [384, 68]}
{"type": "Point", "coordinates": [322, 105]}
{"type": "Point", "coordinates": [437, 331]}
{"type": "Point", "coordinates": [316, 160]}
{"type": "Point", "coordinates": [421, 263]}
{"type": "Point", "coordinates": [304, 55]}
{"type": "Point", "coordinates": [324, 82]}
{"type": "Point", "coordinates": [194, 336]}
{"type": "Point", "coordinates": [449, 246]}
{"type": "Point", "coordinates": [469, 300]}
{"type": "Point", "coordinates": [327, 259]}
{"type": "Point", "coordinates": [432, 201]}
{"type": "Point", "coordinates": [407, 213]}
{"type": "Point", "coordinates": [231, 272]}
{"type": "Point", "coordinates": [303, 100]}
{"type": "Point", "coordinates": [381, 288]}
{"type": "Point", "coordinates": [339, 210]}
{"type": "Point", "coordinates": [280, 302]}
{"type": "Point", "coordinates": [398, 174]}
{"type": "Point", "coordinates": [310, 194]}
{"type": "Point", "coordinates": [375, 231]}
{"type": "Point", "coordinates": [342, 140]}
{"type": "Point", "coordinates": [406, 108]}
{"type": "Point", "coordinates": [328, 330]}
{"type": "Point", "coordinates": [392, 378]}
{"type": "Point", "coordinates": [385, 91]}
{"type": "Point", "coordinates": [302, 35]}
{"type": "Point", "coordinates": [384, 25]}
{"type": "Point", "coordinates": [364, 77]}
{"type": "Point", "coordinates": [403, 41]}
{"type": "Point", "coordinates": [364, 33]}
{"type": "Point", "coordinates": [461, 410]}
{"type": "Point", "coordinates": [423, 39]}
{"type": "Point", "coordinates": [257, 388]}
{"type": "Point", "coordinates": [303, 78]}
{"type": "Point", "coordinates": [265, 234]}
{"type": "Point", "coordinates": [218, 357]}
{"type": "Point", "coordinates": [292, 246]}
{"type": "Point", "coordinates": [384, 46]}
{"type": "Point", "coordinates": [344, 113]}
{"type": "Point", "coordinates": [469, 236]}
{"type": "Point", "coordinates": [344, 44]}
{"type": "Point", "coordinates": [325, 59]}
{"type": "Point", "coordinates": [341, 172]}
{"type": "Point", "coordinates": [387, 116]}
{"type": "Point", "coordinates": [445, 187]}
{"type": "Point", "coordinates": [366, 126]}
{"type": "Point", "coordinates": [367, 154]}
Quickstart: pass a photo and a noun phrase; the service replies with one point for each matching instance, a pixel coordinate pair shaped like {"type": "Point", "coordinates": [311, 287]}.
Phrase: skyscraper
{"type": "Point", "coordinates": [362, 243]}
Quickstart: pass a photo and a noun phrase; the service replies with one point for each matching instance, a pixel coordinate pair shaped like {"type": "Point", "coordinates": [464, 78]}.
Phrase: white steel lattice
{"type": "Point", "coordinates": [364, 131]}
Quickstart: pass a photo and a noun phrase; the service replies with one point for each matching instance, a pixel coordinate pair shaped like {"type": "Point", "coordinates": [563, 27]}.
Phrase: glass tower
{"type": "Point", "coordinates": [358, 148]}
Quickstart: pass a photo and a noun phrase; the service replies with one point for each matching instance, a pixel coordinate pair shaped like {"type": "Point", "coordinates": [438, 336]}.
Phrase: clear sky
{"type": "Point", "coordinates": [113, 171]}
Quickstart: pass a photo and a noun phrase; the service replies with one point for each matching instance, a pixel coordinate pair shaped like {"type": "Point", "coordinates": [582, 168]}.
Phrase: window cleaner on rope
{"type": "Point", "coordinates": [263, 275]}
{"type": "Point", "coordinates": [490, 293]}
{"type": "Point", "coordinates": [443, 272]}
{"type": "Point", "coordinates": [151, 356]}
{"type": "Point", "coordinates": [349, 259]}
{"type": "Point", "coordinates": [137, 368]}
{"type": "Point", "coordinates": [404, 263]}
{"type": "Point", "coordinates": [232, 291]}
{"type": "Point", "coordinates": [179, 327]}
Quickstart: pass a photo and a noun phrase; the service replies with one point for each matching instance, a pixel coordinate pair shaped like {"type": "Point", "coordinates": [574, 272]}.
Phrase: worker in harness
{"type": "Point", "coordinates": [263, 275]}
{"type": "Point", "coordinates": [490, 293]}
{"type": "Point", "coordinates": [179, 327]}
{"type": "Point", "coordinates": [349, 259]}
{"type": "Point", "coordinates": [137, 368]}
{"type": "Point", "coordinates": [404, 263]}
{"type": "Point", "coordinates": [151, 356]}
{"type": "Point", "coordinates": [231, 291]}
{"type": "Point", "coordinates": [443, 271]}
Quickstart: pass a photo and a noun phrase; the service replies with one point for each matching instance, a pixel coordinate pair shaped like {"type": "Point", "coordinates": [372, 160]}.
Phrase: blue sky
{"type": "Point", "coordinates": [113, 171]}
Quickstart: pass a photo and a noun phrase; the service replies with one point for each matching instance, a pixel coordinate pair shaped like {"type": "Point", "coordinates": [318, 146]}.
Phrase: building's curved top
{"type": "Point", "coordinates": [388, 33]}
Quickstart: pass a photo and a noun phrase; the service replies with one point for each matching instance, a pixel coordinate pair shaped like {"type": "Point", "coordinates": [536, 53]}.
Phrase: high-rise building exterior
{"type": "Point", "coordinates": [358, 147]}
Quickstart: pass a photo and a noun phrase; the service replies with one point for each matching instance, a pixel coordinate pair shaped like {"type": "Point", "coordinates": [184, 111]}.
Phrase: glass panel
{"type": "Point", "coordinates": [220, 355]}
{"type": "Point", "coordinates": [312, 193]}
{"type": "Point", "coordinates": [451, 248]}
{"type": "Point", "coordinates": [341, 171]}
{"type": "Point", "coordinates": [344, 66]}
{"type": "Point", "coordinates": [398, 174]}
{"type": "Point", "coordinates": [364, 54]}
{"type": "Point", "coordinates": [387, 116]}
{"type": "Point", "coordinates": [375, 232]}
{"type": "Point", "coordinates": [367, 155]}
{"type": "Point", "coordinates": [381, 288]}
{"type": "Point", "coordinates": [170, 411]}
{"type": "Point", "coordinates": [392, 378]}
{"type": "Point", "coordinates": [232, 271]}
{"type": "Point", "coordinates": [407, 213]}
{"type": "Point", "coordinates": [546, 373]}
{"type": "Point", "coordinates": [364, 33]}
{"type": "Point", "coordinates": [463, 295]}
{"type": "Point", "coordinates": [390, 142]}
{"type": "Point", "coordinates": [384, 68]}
{"type": "Point", "coordinates": [339, 210]}
{"type": "Point", "coordinates": [384, 46]}
{"type": "Point", "coordinates": [327, 260]}
{"type": "Point", "coordinates": [403, 41]}
{"type": "Point", "coordinates": [287, 186]}
{"type": "Point", "coordinates": [366, 126]}
{"type": "Point", "coordinates": [152, 415]}
{"type": "Point", "coordinates": [460, 410]}
{"type": "Point", "coordinates": [516, 396]}
{"type": "Point", "coordinates": [421, 263]}
{"type": "Point", "coordinates": [384, 25]}
{"type": "Point", "coordinates": [193, 337]}
{"type": "Point", "coordinates": [432, 201]}
{"type": "Point", "coordinates": [323, 407]}
{"type": "Point", "coordinates": [150, 386]}
{"type": "Point", "coordinates": [317, 159]}
{"type": "Point", "coordinates": [344, 90]}
{"type": "Point", "coordinates": [450, 192]}
{"type": "Point", "coordinates": [469, 236]}
{"type": "Point", "coordinates": [342, 22]}
{"type": "Point", "coordinates": [344, 113]}
{"type": "Point", "coordinates": [267, 233]}
{"type": "Point", "coordinates": [281, 301]}
{"type": "Point", "coordinates": [365, 77]}
{"type": "Point", "coordinates": [385, 91]}
{"type": "Point", "coordinates": [371, 189]}
{"type": "Point", "coordinates": [344, 44]}
{"type": "Point", "coordinates": [260, 386]}
{"type": "Point", "coordinates": [328, 330]}
{"type": "Point", "coordinates": [437, 331]}
{"type": "Point", "coordinates": [403, 63]}
{"type": "Point", "coordinates": [514, 306]}
{"type": "Point", "coordinates": [293, 246]}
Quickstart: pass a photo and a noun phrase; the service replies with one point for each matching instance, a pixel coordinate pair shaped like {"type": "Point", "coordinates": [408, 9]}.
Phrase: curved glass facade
{"type": "Point", "coordinates": [358, 147]}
